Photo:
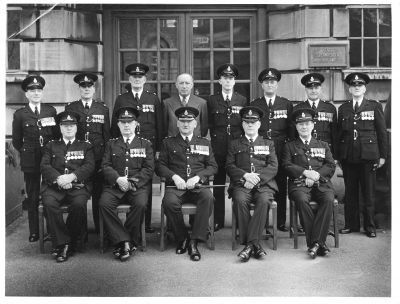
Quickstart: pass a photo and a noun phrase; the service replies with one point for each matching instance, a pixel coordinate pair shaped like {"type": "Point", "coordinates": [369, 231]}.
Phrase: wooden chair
{"type": "Point", "coordinates": [314, 206]}
{"type": "Point", "coordinates": [273, 206]}
{"type": "Point", "coordinates": [124, 208]}
{"type": "Point", "coordinates": [187, 209]}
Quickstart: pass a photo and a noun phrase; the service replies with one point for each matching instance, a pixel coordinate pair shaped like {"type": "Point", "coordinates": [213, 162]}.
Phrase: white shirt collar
{"type": "Point", "coordinates": [66, 140]}
{"type": "Point", "coordinates": [186, 98]}
{"type": "Point", "coordinates": [229, 95]}
{"type": "Point", "coordinates": [253, 138]}
{"type": "Point", "coordinates": [268, 98]}
{"type": "Point", "coordinates": [129, 138]}
{"type": "Point", "coordinates": [89, 102]}
{"type": "Point", "coordinates": [308, 139]}
{"type": "Point", "coordinates": [32, 106]}
{"type": "Point", "coordinates": [359, 103]}
{"type": "Point", "coordinates": [315, 101]}
{"type": "Point", "coordinates": [189, 136]}
{"type": "Point", "coordinates": [139, 93]}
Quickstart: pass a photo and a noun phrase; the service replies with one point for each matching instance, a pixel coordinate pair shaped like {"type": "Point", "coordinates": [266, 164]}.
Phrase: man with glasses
{"type": "Point", "coordinates": [93, 127]}
{"type": "Point", "coordinates": [251, 165]}
{"type": "Point", "coordinates": [225, 125]}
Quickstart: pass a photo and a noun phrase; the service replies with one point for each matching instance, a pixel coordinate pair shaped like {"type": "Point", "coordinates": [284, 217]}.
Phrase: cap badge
{"type": "Point", "coordinates": [303, 114]}
{"type": "Point", "coordinates": [126, 113]}
{"type": "Point", "coordinates": [250, 113]}
{"type": "Point", "coordinates": [356, 78]}
{"type": "Point", "coordinates": [269, 73]}
{"type": "Point", "coordinates": [86, 79]}
{"type": "Point", "coordinates": [137, 69]}
{"type": "Point", "coordinates": [229, 68]}
{"type": "Point", "coordinates": [35, 80]}
{"type": "Point", "coordinates": [69, 117]}
{"type": "Point", "coordinates": [312, 78]}
{"type": "Point", "coordinates": [186, 112]}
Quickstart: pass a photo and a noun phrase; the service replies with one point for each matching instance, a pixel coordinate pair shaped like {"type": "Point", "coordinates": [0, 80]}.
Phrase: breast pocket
{"type": "Point", "coordinates": [219, 117]}
{"type": "Point", "coordinates": [346, 123]}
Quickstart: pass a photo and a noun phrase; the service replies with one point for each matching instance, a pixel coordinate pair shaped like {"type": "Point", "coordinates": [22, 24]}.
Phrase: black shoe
{"type": "Point", "coordinates": [370, 234]}
{"type": "Point", "coordinates": [64, 253]}
{"type": "Point", "coordinates": [258, 251]}
{"type": "Point", "coordinates": [323, 250]}
{"type": "Point", "coordinates": [218, 227]}
{"type": "Point", "coordinates": [312, 252]}
{"type": "Point", "coordinates": [300, 229]}
{"type": "Point", "coordinates": [246, 253]}
{"type": "Point", "coordinates": [117, 251]}
{"type": "Point", "coordinates": [182, 246]}
{"type": "Point", "coordinates": [34, 237]}
{"type": "Point", "coordinates": [54, 252]}
{"type": "Point", "coordinates": [126, 251]}
{"type": "Point", "coordinates": [149, 229]}
{"type": "Point", "coordinates": [193, 251]}
{"type": "Point", "coordinates": [283, 228]}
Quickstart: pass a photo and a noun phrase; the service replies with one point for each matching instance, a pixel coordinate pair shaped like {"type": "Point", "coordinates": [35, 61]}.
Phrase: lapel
{"type": "Point", "coordinates": [362, 105]}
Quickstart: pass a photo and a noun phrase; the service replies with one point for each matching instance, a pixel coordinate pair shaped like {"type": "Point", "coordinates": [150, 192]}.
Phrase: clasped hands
{"type": "Point", "coordinates": [251, 179]}
{"type": "Point", "coordinates": [124, 184]}
{"type": "Point", "coordinates": [65, 181]}
{"type": "Point", "coordinates": [182, 185]}
{"type": "Point", "coordinates": [312, 176]}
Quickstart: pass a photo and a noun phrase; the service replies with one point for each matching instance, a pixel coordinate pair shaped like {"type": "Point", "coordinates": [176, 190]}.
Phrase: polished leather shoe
{"type": "Point", "coordinates": [193, 251]}
{"type": "Point", "coordinates": [64, 253]}
{"type": "Point", "coordinates": [218, 227]}
{"type": "Point", "coordinates": [246, 253]}
{"type": "Point", "coordinates": [54, 252]}
{"type": "Point", "coordinates": [34, 237]}
{"type": "Point", "coordinates": [258, 251]}
{"type": "Point", "coordinates": [345, 231]}
{"type": "Point", "coordinates": [283, 228]}
{"type": "Point", "coordinates": [323, 250]}
{"type": "Point", "coordinates": [182, 246]}
{"type": "Point", "coordinates": [149, 229]}
{"type": "Point", "coordinates": [126, 251]}
{"type": "Point", "coordinates": [370, 234]}
{"type": "Point", "coordinates": [312, 252]}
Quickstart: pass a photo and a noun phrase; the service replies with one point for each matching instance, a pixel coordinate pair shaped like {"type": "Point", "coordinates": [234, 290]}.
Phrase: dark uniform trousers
{"type": "Point", "coordinates": [172, 203]}
{"type": "Point", "coordinates": [150, 126]}
{"type": "Point", "coordinates": [30, 133]}
{"type": "Point", "coordinates": [276, 124]}
{"type": "Point", "coordinates": [220, 116]}
{"type": "Point", "coordinates": [362, 141]}
{"type": "Point", "coordinates": [316, 156]}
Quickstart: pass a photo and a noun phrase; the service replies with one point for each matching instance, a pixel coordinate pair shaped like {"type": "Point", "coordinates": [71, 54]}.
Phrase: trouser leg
{"type": "Point", "coordinates": [172, 204]}
{"type": "Point", "coordinates": [58, 227]}
{"type": "Point", "coordinates": [352, 176]}
{"type": "Point", "coordinates": [241, 208]}
{"type": "Point", "coordinates": [32, 185]}
{"type": "Point", "coordinates": [280, 196]}
{"type": "Point", "coordinates": [302, 200]}
{"type": "Point", "coordinates": [219, 194]}
{"type": "Point", "coordinates": [259, 218]}
{"type": "Point", "coordinates": [96, 193]}
{"type": "Point", "coordinates": [77, 217]}
{"type": "Point", "coordinates": [204, 201]}
{"type": "Point", "coordinates": [134, 218]}
{"type": "Point", "coordinates": [368, 188]}
{"type": "Point", "coordinates": [323, 215]}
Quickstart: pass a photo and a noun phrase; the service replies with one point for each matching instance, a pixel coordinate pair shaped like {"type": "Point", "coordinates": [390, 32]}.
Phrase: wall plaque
{"type": "Point", "coordinates": [328, 55]}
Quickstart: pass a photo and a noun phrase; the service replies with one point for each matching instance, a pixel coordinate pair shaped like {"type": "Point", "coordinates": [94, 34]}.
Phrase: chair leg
{"type": "Point", "coordinates": [143, 227]}
{"type": "Point", "coordinates": [233, 230]}
{"type": "Point", "coordinates": [162, 236]}
{"type": "Point", "coordinates": [295, 224]}
{"type": "Point", "coordinates": [291, 225]}
{"type": "Point", "coordinates": [274, 207]}
{"type": "Point", "coordinates": [335, 224]}
{"type": "Point", "coordinates": [101, 232]}
{"type": "Point", "coordinates": [211, 224]}
{"type": "Point", "coordinates": [41, 228]}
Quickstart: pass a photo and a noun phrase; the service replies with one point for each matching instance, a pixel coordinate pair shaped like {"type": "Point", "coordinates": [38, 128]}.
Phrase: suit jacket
{"type": "Point", "coordinates": [30, 134]}
{"type": "Point", "coordinates": [277, 124]}
{"type": "Point", "coordinates": [297, 157]}
{"type": "Point", "coordinates": [170, 120]}
{"type": "Point", "coordinates": [93, 126]}
{"type": "Point", "coordinates": [367, 125]}
{"type": "Point", "coordinates": [325, 127]}
{"type": "Point", "coordinates": [138, 157]}
{"type": "Point", "coordinates": [242, 155]}
{"type": "Point", "coordinates": [220, 115]}
{"type": "Point", "coordinates": [150, 118]}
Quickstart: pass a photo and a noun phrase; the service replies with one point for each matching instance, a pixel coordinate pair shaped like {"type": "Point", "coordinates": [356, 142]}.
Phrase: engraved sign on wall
{"type": "Point", "coordinates": [328, 55]}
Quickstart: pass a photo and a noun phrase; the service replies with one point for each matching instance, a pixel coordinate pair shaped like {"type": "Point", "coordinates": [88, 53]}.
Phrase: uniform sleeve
{"type": "Point", "coordinates": [235, 173]}
{"type": "Point", "coordinates": [106, 125]}
{"type": "Point", "coordinates": [209, 114]}
{"type": "Point", "coordinates": [17, 131]}
{"type": "Point", "coordinates": [291, 128]}
{"type": "Point", "coordinates": [86, 170]}
{"type": "Point", "coordinates": [203, 119]}
{"type": "Point", "coordinates": [380, 128]}
{"type": "Point", "coordinates": [110, 174]}
{"type": "Point", "coordinates": [271, 169]}
{"type": "Point", "coordinates": [159, 123]}
{"type": "Point", "coordinates": [163, 162]}
{"type": "Point", "coordinates": [114, 126]}
{"type": "Point", "coordinates": [164, 109]}
{"type": "Point", "coordinates": [334, 134]}
{"type": "Point", "coordinates": [49, 173]}
{"type": "Point", "coordinates": [146, 172]}
{"type": "Point", "coordinates": [291, 169]}
{"type": "Point", "coordinates": [56, 132]}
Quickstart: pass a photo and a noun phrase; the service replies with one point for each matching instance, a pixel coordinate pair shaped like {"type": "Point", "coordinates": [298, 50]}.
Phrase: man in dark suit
{"type": "Point", "coordinates": [362, 149]}
{"type": "Point", "coordinates": [94, 127]}
{"type": "Point", "coordinates": [33, 127]}
{"type": "Point", "coordinates": [309, 164]}
{"type": "Point", "coordinates": [149, 123]}
{"type": "Point", "coordinates": [185, 98]}
{"type": "Point", "coordinates": [276, 125]}
{"type": "Point", "coordinates": [325, 124]}
{"type": "Point", "coordinates": [67, 167]}
{"type": "Point", "coordinates": [225, 125]}
{"type": "Point", "coordinates": [128, 166]}
{"type": "Point", "coordinates": [251, 165]}
{"type": "Point", "coordinates": [187, 161]}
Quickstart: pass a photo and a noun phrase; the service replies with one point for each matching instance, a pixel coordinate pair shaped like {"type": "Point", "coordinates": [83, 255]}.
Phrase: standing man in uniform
{"type": "Point", "coordinates": [93, 127]}
{"type": "Point", "coordinates": [149, 124]}
{"type": "Point", "coordinates": [33, 127]}
{"type": "Point", "coordinates": [225, 125]}
{"type": "Point", "coordinates": [185, 98]}
{"type": "Point", "coordinates": [362, 149]}
{"type": "Point", "coordinates": [310, 167]}
{"type": "Point", "coordinates": [325, 125]}
{"type": "Point", "coordinates": [276, 125]}
{"type": "Point", "coordinates": [128, 167]}
{"type": "Point", "coordinates": [67, 167]}
{"type": "Point", "coordinates": [251, 165]}
{"type": "Point", "coordinates": [187, 161]}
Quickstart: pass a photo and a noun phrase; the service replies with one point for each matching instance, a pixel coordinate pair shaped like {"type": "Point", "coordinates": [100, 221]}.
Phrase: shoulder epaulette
{"type": "Point", "coordinates": [114, 138]}
{"type": "Point", "coordinates": [145, 139]}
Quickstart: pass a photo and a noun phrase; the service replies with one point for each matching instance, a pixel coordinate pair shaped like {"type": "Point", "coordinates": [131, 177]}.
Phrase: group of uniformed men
{"type": "Point", "coordinates": [265, 147]}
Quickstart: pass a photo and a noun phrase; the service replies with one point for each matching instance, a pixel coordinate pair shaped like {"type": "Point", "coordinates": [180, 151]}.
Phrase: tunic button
{"type": "Point", "coordinates": [87, 125]}
{"type": "Point", "coordinates": [355, 123]}
{"type": "Point", "coordinates": [126, 159]}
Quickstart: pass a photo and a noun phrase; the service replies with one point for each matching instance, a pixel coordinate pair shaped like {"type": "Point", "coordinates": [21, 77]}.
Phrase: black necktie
{"type": "Point", "coordinates": [68, 144]}
{"type": "Point", "coordinates": [137, 97]}
{"type": "Point", "coordinates": [313, 106]}
{"type": "Point", "coordinates": [228, 101]}
{"type": "Point", "coordinates": [356, 107]}
{"type": "Point", "coordinates": [187, 140]}
{"type": "Point", "coordinates": [306, 143]}
{"type": "Point", "coordinates": [87, 105]}
{"type": "Point", "coordinates": [36, 111]}
{"type": "Point", "coordinates": [127, 142]}
{"type": "Point", "coordinates": [270, 104]}
{"type": "Point", "coordinates": [184, 101]}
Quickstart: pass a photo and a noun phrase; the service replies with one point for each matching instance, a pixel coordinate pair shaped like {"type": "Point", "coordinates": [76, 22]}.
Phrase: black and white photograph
{"type": "Point", "coordinates": [177, 151]}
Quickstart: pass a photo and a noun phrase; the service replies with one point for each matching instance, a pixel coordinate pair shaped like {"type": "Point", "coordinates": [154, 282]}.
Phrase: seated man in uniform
{"type": "Point", "coordinates": [309, 165]}
{"type": "Point", "coordinates": [251, 165]}
{"type": "Point", "coordinates": [186, 162]}
{"type": "Point", "coordinates": [67, 166]}
{"type": "Point", "coordinates": [128, 166]}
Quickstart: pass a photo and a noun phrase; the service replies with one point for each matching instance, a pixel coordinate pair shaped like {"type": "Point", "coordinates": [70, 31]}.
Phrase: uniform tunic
{"type": "Point", "coordinates": [187, 160]}
{"type": "Point", "coordinates": [225, 125]}
{"type": "Point", "coordinates": [245, 157]}
{"type": "Point", "coordinates": [317, 156]}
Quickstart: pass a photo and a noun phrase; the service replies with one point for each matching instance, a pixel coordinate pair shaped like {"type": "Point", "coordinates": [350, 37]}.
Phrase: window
{"type": "Point", "coordinates": [370, 36]}
{"type": "Point", "coordinates": [13, 43]}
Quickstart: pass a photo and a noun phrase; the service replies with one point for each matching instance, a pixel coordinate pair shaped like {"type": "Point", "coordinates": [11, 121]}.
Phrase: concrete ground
{"type": "Point", "coordinates": [361, 267]}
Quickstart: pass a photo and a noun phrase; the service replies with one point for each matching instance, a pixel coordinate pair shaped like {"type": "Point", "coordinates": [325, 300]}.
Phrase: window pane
{"type": "Point", "coordinates": [167, 90]}
{"type": "Point", "coordinates": [370, 55]}
{"type": "Point", "coordinates": [128, 33]}
{"type": "Point", "coordinates": [201, 33]}
{"type": "Point", "coordinates": [385, 52]}
{"type": "Point", "coordinates": [151, 87]}
{"type": "Point", "coordinates": [385, 22]}
{"type": "Point", "coordinates": [220, 58]}
{"type": "Point", "coordinates": [355, 22]}
{"type": "Point", "coordinates": [169, 65]}
{"type": "Point", "coordinates": [241, 33]}
{"type": "Point", "coordinates": [150, 59]}
{"type": "Point", "coordinates": [148, 34]}
{"type": "Point", "coordinates": [202, 90]}
{"type": "Point", "coordinates": [168, 33]}
{"type": "Point", "coordinates": [243, 89]}
{"type": "Point", "coordinates": [221, 33]}
{"type": "Point", "coordinates": [201, 65]}
{"type": "Point", "coordinates": [370, 22]}
{"type": "Point", "coordinates": [126, 59]}
{"type": "Point", "coordinates": [355, 52]}
{"type": "Point", "coordinates": [13, 18]}
{"type": "Point", "coordinates": [242, 61]}
{"type": "Point", "coordinates": [13, 55]}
